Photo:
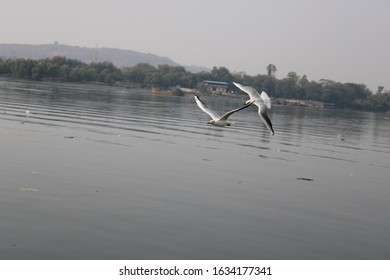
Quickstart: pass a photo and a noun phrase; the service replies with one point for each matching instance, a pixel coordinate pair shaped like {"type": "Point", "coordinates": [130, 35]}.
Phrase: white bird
{"type": "Point", "coordinates": [260, 100]}
{"type": "Point", "coordinates": [216, 119]}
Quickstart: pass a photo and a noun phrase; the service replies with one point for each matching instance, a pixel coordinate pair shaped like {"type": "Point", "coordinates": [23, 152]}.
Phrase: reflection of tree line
{"type": "Point", "coordinates": [343, 95]}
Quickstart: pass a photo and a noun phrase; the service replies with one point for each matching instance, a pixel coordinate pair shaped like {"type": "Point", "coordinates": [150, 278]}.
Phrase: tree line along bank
{"type": "Point", "coordinates": [342, 95]}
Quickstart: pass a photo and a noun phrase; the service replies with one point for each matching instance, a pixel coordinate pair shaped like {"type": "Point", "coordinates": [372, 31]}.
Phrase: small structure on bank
{"type": "Point", "coordinates": [215, 87]}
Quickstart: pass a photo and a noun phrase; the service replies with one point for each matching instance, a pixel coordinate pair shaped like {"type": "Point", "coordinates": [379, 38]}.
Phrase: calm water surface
{"type": "Point", "coordinates": [90, 172]}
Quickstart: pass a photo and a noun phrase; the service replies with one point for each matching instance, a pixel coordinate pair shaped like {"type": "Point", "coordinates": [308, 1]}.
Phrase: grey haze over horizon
{"type": "Point", "coordinates": [341, 40]}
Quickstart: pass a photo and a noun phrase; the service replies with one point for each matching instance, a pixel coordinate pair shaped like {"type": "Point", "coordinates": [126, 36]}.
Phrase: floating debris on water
{"type": "Point", "coordinates": [28, 190]}
{"type": "Point", "coordinates": [341, 137]}
{"type": "Point", "coordinates": [305, 179]}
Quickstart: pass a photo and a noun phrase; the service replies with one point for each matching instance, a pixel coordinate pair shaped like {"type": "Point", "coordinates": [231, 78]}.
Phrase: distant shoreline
{"type": "Point", "coordinates": [275, 101]}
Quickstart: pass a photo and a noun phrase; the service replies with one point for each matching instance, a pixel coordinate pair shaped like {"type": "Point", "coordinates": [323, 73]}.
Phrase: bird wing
{"type": "Point", "coordinates": [264, 117]}
{"type": "Point", "coordinates": [206, 109]}
{"type": "Point", "coordinates": [228, 114]}
{"type": "Point", "coordinates": [267, 101]}
{"type": "Point", "coordinates": [253, 94]}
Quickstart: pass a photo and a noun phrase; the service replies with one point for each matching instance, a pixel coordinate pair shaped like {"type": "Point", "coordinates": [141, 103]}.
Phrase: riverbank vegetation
{"type": "Point", "coordinates": [342, 95]}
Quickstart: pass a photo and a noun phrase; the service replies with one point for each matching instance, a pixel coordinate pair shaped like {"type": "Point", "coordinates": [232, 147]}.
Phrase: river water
{"type": "Point", "coordinates": [94, 172]}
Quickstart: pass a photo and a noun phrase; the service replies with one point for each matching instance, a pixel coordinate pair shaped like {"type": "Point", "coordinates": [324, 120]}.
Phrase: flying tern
{"type": "Point", "coordinates": [216, 119]}
{"type": "Point", "coordinates": [260, 100]}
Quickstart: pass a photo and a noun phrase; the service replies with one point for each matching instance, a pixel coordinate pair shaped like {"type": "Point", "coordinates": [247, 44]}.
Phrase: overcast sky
{"type": "Point", "coordinates": [342, 40]}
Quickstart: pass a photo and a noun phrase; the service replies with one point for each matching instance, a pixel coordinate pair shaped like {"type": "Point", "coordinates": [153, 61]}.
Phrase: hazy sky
{"type": "Point", "coordinates": [342, 40]}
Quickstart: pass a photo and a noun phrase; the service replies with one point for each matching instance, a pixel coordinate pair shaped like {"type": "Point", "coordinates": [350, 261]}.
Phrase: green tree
{"type": "Point", "coordinates": [313, 91]}
{"type": "Point", "coordinates": [74, 75]}
{"type": "Point", "coordinates": [64, 72]}
{"type": "Point", "coordinates": [88, 73]}
{"type": "Point", "coordinates": [271, 69]}
{"type": "Point", "coordinates": [38, 71]}
{"type": "Point", "coordinates": [22, 68]}
{"type": "Point", "coordinates": [172, 75]}
{"type": "Point", "coordinates": [289, 87]}
{"type": "Point", "coordinates": [221, 74]}
{"type": "Point", "coordinates": [106, 76]}
{"type": "Point", "coordinates": [139, 72]}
